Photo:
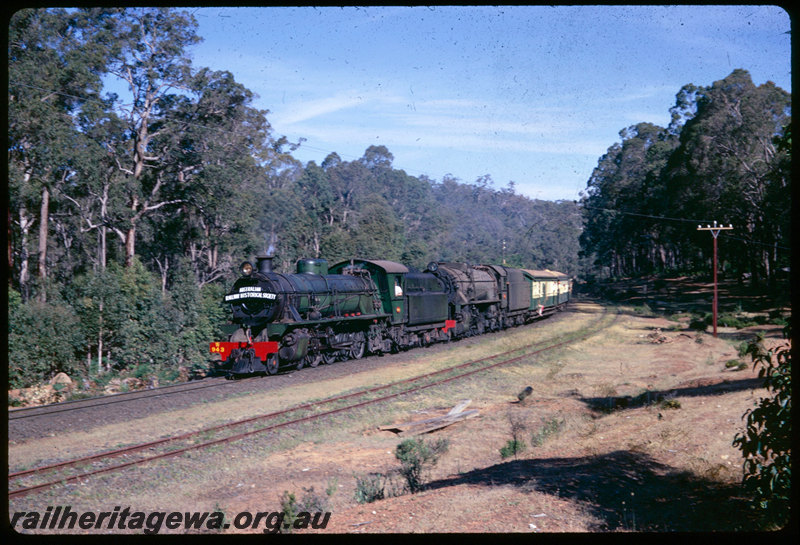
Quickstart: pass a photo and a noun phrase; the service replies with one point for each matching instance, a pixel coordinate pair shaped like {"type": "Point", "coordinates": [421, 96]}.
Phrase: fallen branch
{"type": "Point", "coordinates": [416, 427]}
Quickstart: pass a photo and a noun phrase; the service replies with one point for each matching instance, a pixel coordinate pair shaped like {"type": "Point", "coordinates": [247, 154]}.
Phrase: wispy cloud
{"type": "Point", "coordinates": [456, 135]}
{"type": "Point", "coordinates": [533, 94]}
{"type": "Point", "coordinates": [298, 112]}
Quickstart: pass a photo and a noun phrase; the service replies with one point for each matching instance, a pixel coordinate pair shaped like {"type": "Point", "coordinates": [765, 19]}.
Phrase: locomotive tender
{"type": "Point", "coordinates": [360, 306]}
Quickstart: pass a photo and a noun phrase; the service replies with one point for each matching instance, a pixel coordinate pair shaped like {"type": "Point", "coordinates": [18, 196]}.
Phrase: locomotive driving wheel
{"type": "Point", "coordinates": [311, 360]}
{"type": "Point", "coordinates": [272, 364]}
{"type": "Point", "coordinates": [328, 357]}
{"type": "Point", "coordinates": [359, 346]}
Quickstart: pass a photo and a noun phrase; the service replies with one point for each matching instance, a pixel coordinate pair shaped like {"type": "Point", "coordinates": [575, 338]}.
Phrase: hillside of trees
{"type": "Point", "coordinates": [128, 214]}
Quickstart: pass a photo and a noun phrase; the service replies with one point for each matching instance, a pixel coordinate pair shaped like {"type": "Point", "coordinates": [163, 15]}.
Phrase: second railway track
{"type": "Point", "coordinates": [124, 397]}
{"type": "Point", "coordinates": [41, 478]}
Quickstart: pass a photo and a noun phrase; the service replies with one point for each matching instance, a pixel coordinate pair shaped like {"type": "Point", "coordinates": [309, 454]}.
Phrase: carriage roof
{"type": "Point", "coordinates": [546, 274]}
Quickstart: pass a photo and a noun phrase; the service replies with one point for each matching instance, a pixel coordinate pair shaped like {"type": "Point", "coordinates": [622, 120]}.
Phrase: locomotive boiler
{"type": "Point", "coordinates": [279, 315]}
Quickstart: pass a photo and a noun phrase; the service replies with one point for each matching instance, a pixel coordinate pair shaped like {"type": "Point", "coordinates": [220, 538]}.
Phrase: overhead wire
{"type": "Point", "coordinates": [687, 220]}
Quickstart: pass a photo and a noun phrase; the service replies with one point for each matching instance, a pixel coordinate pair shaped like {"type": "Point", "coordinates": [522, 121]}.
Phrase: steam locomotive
{"type": "Point", "coordinates": [326, 314]}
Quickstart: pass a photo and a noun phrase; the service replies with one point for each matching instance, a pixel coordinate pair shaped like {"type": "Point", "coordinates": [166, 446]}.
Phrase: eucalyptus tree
{"type": "Point", "coordinates": [718, 160]}
{"type": "Point", "coordinates": [410, 199]}
{"type": "Point", "coordinates": [152, 62]}
{"type": "Point", "coordinates": [725, 167]}
{"type": "Point", "coordinates": [378, 233]}
{"type": "Point", "coordinates": [307, 209]}
{"type": "Point", "coordinates": [55, 58]}
{"type": "Point", "coordinates": [377, 157]}
{"type": "Point", "coordinates": [95, 194]}
{"type": "Point", "coordinates": [215, 146]}
{"type": "Point", "coordinates": [348, 182]}
{"type": "Point", "coordinates": [622, 198]}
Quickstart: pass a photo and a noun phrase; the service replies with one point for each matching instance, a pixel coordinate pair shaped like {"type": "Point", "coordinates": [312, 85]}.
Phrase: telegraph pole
{"type": "Point", "coordinates": [715, 229]}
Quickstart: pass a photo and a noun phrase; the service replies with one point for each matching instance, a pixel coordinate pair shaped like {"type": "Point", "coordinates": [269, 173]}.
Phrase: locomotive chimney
{"type": "Point", "coordinates": [264, 263]}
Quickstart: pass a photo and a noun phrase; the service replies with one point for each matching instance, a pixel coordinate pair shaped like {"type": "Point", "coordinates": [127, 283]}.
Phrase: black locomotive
{"type": "Point", "coordinates": [360, 306]}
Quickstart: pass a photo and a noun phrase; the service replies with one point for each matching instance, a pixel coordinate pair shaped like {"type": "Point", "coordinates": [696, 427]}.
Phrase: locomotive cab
{"type": "Point", "coordinates": [412, 299]}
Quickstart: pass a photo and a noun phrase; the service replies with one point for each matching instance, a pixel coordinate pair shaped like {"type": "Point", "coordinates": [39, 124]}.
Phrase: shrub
{"type": "Point", "coordinates": [417, 457]}
{"type": "Point", "coordinates": [289, 509]}
{"type": "Point", "coordinates": [125, 306]}
{"type": "Point", "coordinates": [313, 502]}
{"type": "Point", "coordinates": [197, 313]}
{"type": "Point", "coordinates": [517, 427]}
{"type": "Point", "coordinates": [370, 488]}
{"type": "Point", "coordinates": [142, 371]}
{"type": "Point", "coordinates": [766, 441]}
{"type": "Point", "coordinates": [743, 348]}
{"type": "Point", "coordinates": [549, 428]}
{"type": "Point", "coordinates": [43, 339]}
{"type": "Point", "coordinates": [644, 310]}
{"type": "Point", "coordinates": [670, 404]}
{"type": "Point", "coordinates": [512, 448]}
{"type": "Point", "coordinates": [296, 514]}
{"type": "Point", "coordinates": [735, 320]}
{"type": "Point", "coordinates": [776, 317]}
{"type": "Point", "coordinates": [700, 323]}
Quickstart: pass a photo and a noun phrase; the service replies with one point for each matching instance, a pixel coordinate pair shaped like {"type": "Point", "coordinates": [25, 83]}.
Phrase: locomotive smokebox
{"type": "Point", "coordinates": [264, 263]}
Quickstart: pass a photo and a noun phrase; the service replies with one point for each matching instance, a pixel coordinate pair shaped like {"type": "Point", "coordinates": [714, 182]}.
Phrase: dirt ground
{"type": "Point", "coordinates": [629, 430]}
{"type": "Point", "coordinates": [615, 463]}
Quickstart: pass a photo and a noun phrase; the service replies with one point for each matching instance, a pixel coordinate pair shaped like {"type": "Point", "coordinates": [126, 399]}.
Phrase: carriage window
{"type": "Point", "coordinates": [398, 291]}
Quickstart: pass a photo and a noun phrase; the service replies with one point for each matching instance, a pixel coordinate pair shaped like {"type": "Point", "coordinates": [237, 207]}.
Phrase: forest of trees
{"type": "Point", "coordinates": [726, 157]}
{"type": "Point", "coordinates": [128, 214]}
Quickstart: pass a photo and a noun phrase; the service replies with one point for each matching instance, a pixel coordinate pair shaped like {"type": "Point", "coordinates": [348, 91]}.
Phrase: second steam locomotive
{"type": "Point", "coordinates": [359, 306]}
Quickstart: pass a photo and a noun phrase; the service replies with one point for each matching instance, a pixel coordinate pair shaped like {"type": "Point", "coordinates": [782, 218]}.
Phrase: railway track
{"type": "Point", "coordinates": [123, 397]}
{"type": "Point", "coordinates": [45, 477]}
{"type": "Point", "coordinates": [22, 413]}
{"type": "Point", "coordinates": [100, 401]}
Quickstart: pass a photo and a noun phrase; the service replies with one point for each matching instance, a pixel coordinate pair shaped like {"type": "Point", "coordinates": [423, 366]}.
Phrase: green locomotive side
{"type": "Point", "coordinates": [409, 298]}
{"type": "Point", "coordinates": [388, 277]}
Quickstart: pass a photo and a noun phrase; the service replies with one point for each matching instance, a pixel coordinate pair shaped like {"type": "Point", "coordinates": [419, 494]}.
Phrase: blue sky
{"type": "Point", "coordinates": [529, 94]}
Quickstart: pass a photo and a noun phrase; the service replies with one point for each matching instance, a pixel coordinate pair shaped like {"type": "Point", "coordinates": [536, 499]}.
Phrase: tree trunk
{"type": "Point", "coordinates": [44, 215]}
{"type": "Point", "coordinates": [25, 223]}
{"type": "Point", "coordinates": [10, 246]}
{"type": "Point", "coordinates": [130, 245]}
{"type": "Point", "coordinates": [103, 230]}
{"type": "Point", "coordinates": [102, 249]}
{"type": "Point", "coordinates": [100, 341]}
{"type": "Point", "coordinates": [164, 269]}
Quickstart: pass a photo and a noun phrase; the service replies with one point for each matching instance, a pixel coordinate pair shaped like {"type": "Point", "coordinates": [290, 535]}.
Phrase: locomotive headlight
{"type": "Point", "coordinates": [246, 268]}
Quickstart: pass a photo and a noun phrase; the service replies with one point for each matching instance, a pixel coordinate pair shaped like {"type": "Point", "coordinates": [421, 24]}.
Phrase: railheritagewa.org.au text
{"type": "Point", "coordinates": [56, 518]}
